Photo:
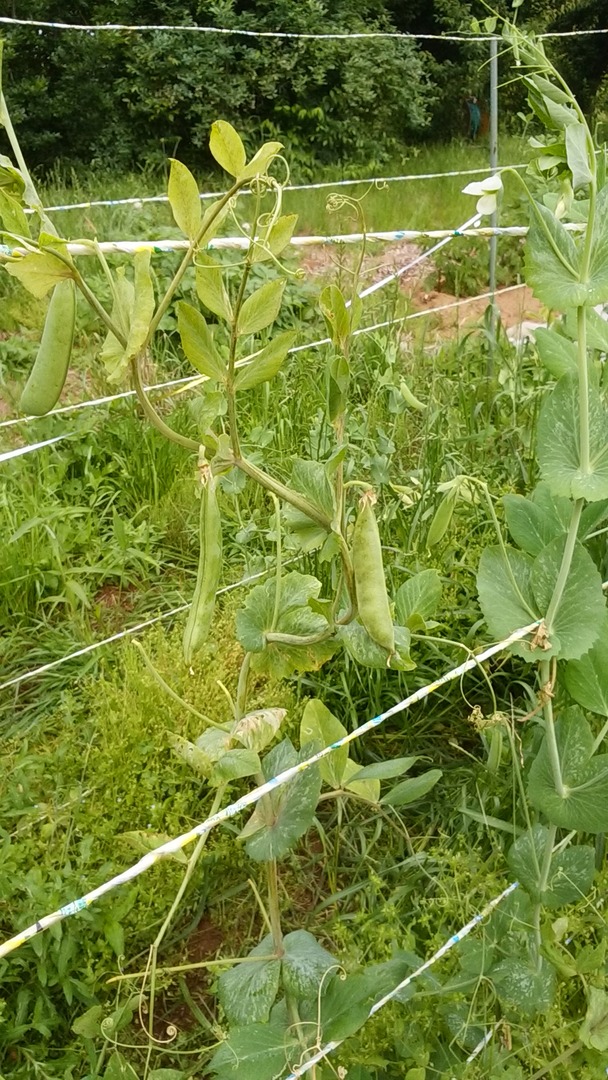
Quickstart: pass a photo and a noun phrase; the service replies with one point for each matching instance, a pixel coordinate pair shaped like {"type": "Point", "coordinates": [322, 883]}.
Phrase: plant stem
{"type": "Point", "coordinates": [282, 491]}
{"type": "Point", "coordinates": [279, 566]}
{"type": "Point", "coordinates": [556, 768]}
{"type": "Point", "coordinates": [274, 907]}
{"type": "Point", "coordinates": [583, 392]}
{"type": "Point", "coordinates": [566, 563]}
{"type": "Point", "coordinates": [151, 413]}
{"type": "Point", "coordinates": [171, 692]}
{"type": "Point", "coordinates": [542, 885]}
{"type": "Point", "coordinates": [240, 704]}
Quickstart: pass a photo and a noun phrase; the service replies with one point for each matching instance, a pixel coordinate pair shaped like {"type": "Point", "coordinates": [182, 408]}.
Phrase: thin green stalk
{"type": "Point", "coordinates": [151, 413]}
{"type": "Point", "coordinates": [543, 880]}
{"type": "Point", "coordinates": [566, 563]}
{"type": "Point", "coordinates": [279, 566]}
{"type": "Point", "coordinates": [552, 747]}
{"type": "Point", "coordinates": [171, 692]}
{"type": "Point", "coordinates": [283, 492]}
{"type": "Point", "coordinates": [274, 906]}
{"type": "Point", "coordinates": [240, 704]}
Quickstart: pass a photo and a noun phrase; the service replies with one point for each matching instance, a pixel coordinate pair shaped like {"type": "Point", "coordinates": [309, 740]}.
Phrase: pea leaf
{"type": "Point", "coordinates": [233, 765]}
{"type": "Point", "coordinates": [571, 871]}
{"type": "Point", "coordinates": [368, 789]}
{"type": "Point", "coordinates": [258, 729]}
{"type": "Point", "coordinates": [284, 815]}
{"type": "Point", "coordinates": [523, 986]}
{"type": "Point", "coordinates": [275, 238]}
{"type": "Point", "coordinates": [295, 618]}
{"type": "Point", "coordinates": [386, 770]}
{"type": "Point", "coordinates": [346, 1004]}
{"type": "Point", "coordinates": [227, 147]}
{"type": "Point", "coordinates": [534, 522]}
{"type": "Point", "coordinates": [597, 329]}
{"type": "Point", "coordinates": [184, 199]}
{"type": "Point", "coordinates": [409, 791]}
{"type": "Point", "coordinates": [309, 478]}
{"type": "Point", "coordinates": [261, 308]}
{"type": "Point", "coordinates": [584, 805]}
{"type": "Point", "coordinates": [260, 161]}
{"type": "Point", "coordinates": [197, 342]}
{"type": "Point", "coordinates": [334, 311]}
{"type": "Point", "coordinates": [321, 727]}
{"type": "Point", "coordinates": [305, 963]}
{"type": "Point", "coordinates": [210, 287]}
{"type": "Point", "coordinates": [556, 352]}
{"type": "Point", "coordinates": [598, 268]}
{"type": "Point", "coordinates": [577, 153]}
{"type": "Point", "coordinates": [266, 363]}
{"type": "Point", "coordinates": [582, 608]}
{"type": "Point", "coordinates": [255, 1052]}
{"type": "Point", "coordinates": [505, 594]}
{"type": "Point", "coordinates": [552, 263]}
{"type": "Point", "coordinates": [587, 679]}
{"type": "Point", "coordinates": [11, 214]}
{"type": "Point", "coordinates": [88, 1026]}
{"type": "Point", "coordinates": [594, 1029]}
{"type": "Point", "coordinates": [112, 352]}
{"type": "Point", "coordinates": [559, 447]}
{"type": "Point", "coordinates": [118, 1068]}
{"type": "Point", "coordinates": [143, 305]}
{"type": "Point", "coordinates": [418, 598]}
{"type": "Point", "coordinates": [247, 991]}
{"type": "Point", "coordinates": [366, 651]}
{"type": "Point", "coordinates": [213, 219]}
{"type": "Point", "coordinates": [38, 272]}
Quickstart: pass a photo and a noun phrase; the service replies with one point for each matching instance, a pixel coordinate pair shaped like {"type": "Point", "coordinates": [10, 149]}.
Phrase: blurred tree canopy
{"type": "Point", "coordinates": [126, 99]}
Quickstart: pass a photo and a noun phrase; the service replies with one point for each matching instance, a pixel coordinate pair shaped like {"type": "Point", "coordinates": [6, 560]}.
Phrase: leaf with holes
{"type": "Point", "coordinates": [581, 610]}
{"type": "Point", "coordinates": [571, 871]}
{"type": "Point", "coordinates": [559, 453]}
{"type": "Point", "coordinates": [304, 966]}
{"type": "Point", "coordinates": [584, 804]}
{"type": "Point", "coordinates": [319, 726]}
{"type": "Point", "coordinates": [284, 815]}
{"type": "Point", "coordinates": [184, 199]}
{"type": "Point", "coordinates": [587, 679]}
{"type": "Point", "coordinates": [247, 991]}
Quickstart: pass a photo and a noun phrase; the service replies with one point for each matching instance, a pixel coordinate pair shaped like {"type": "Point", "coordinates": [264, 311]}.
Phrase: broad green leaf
{"type": "Point", "coordinates": [235, 764]}
{"type": "Point", "coordinates": [265, 364]}
{"type": "Point", "coordinates": [284, 815]}
{"type": "Point", "coordinates": [38, 272]}
{"type": "Point", "coordinates": [571, 871]}
{"type": "Point", "coordinates": [167, 1074]}
{"type": "Point", "coordinates": [587, 679]}
{"type": "Point", "coordinates": [386, 770]}
{"type": "Point", "coordinates": [227, 147]}
{"type": "Point", "coordinates": [274, 239]}
{"type": "Point", "coordinates": [592, 517]}
{"type": "Point", "coordinates": [346, 1004]}
{"type": "Point", "coordinates": [304, 966]}
{"type": "Point", "coordinates": [197, 342]}
{"type": "Point", "coordinates": [12, 216]}
{"type": "Point", "coordinates": [247, 992]}
{"type": "Point", "coordinates": [409, 791]}
{"type": "Point", "coordinates": [309, 478]}
{"type": "Point", "coordinates": [320, 726]}
{"type": "Point", "coordinates": [210, 287]}
{"type": "Point", "coordinates": [594, 1029]}
{"type": "Point", "coordinates": [260, 161]}
{"type": "Point", "coordinates": [559, 445]}
{"type": "Point", "coordinates": [295, 618]}
{"type": "Point", "coordinates": [261, 308]}
{"type": "Point", "coordinates": [339, 378]}
{"type": "Point", "coordinates": [533, 526]}
{"type": "Point", "coordinates": [505, 594]}
{"type": "Point", "coordinates": [577, 153]}
{"type": "Point", "coordinates": [364, 650]}
{"type": "Point", "coordinates": [257, 729]}
{"type": "Point", "coordinates": [143, 304]}
{"type": "Point", "coordinates": [418, 598]}
{"type": "Point", "coordinates": [552, 265]}
{"type": "Point", "coordinates": [118, 1068]}
{"type": "Point", "coordinates": [598, 269]}
{"type": "Point", "coordinates": [597, 329]}
{"type": "Point", "coordinates": [215, 742]}
{"type": "Point", "coordinates": [523, 986]}
{"type": "Point", "coordinates": [88, 1026]}
{"type": "Point", "coordinates": [113, 354]}
{"type": "Point", "coordinates": [581, 610]}
{"type": "Point", "coordinates": [334, 311]}
{"type": "Point", "coordinates": [365, 789]}
{"type": "Point", "coordinates": [184, 199]}
{"type": "Point", "coordinates": [193, 755]}
{"type": "Point", "coordinates": [556, 352]}
{"type": "Point", "coordinates": [255, 1052]}
{"type": "Point", "coordinates": [584, 806]}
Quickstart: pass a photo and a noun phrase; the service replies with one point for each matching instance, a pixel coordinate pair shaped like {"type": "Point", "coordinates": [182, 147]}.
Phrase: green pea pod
{"type": "Point", "coordinates": [48, 375]}
{"type": "Point", "coordinates": [200, 615]}
{"type": "Point", "coordinates": [442, 518]}
{"type": "Point", "coordinates": [495, 741]}
{"type": "Point", "coordinates": [411, 399]}
{"type": "Point", "coordinates": [370, 584]}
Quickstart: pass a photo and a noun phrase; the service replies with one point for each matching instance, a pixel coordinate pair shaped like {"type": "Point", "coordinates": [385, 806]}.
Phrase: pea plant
{"type": "Point", "coordinates": [279, 1000]}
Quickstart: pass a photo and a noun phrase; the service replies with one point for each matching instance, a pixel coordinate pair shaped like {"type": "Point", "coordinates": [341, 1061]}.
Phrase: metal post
{"type": "Point", "coordinates": [493, 168]}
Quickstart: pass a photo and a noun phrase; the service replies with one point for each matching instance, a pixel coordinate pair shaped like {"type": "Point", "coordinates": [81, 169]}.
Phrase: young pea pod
{"type": "Point", "coordinates": [48, 375]}
{"type": "Point", "coordinates": [442, 518]}
{"type": "Point", "coordinates": [370, 584]}
{"type": "Point", "coordinates": [200, 615]}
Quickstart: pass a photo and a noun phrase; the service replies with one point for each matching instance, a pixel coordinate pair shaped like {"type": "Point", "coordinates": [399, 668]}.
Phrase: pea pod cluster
{"type": "Point", "coordinates": [48, 375]}
{"type": "Point", "coordinates": [200, 615]}
{"type": "Point", "coordinates": [370, 584]}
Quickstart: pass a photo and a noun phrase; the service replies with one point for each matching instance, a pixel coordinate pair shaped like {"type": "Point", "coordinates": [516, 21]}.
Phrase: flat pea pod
{"type": "Point", "coordinates": [370, 584]}
{"type": "Point", "coordinates": [200, 615]}
{"type": "Point", "coordinates": [442, 518]}
{"type": "Point", "coordinates": [47, 377]}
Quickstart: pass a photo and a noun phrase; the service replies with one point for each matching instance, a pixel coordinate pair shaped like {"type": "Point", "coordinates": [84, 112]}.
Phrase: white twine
{"type": "Point", "coordinates": [254, 796]}
{"type": "Point", "coordinates": [192, 28]}
{"type": "Point", "coordinates": [194, 380]}
{"type": "Point", "coordinates": [30, 447]}
{"type": "Point", "coordinates": [374, 180]}
{"type": "Point", "coordinates": [455, 939]}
